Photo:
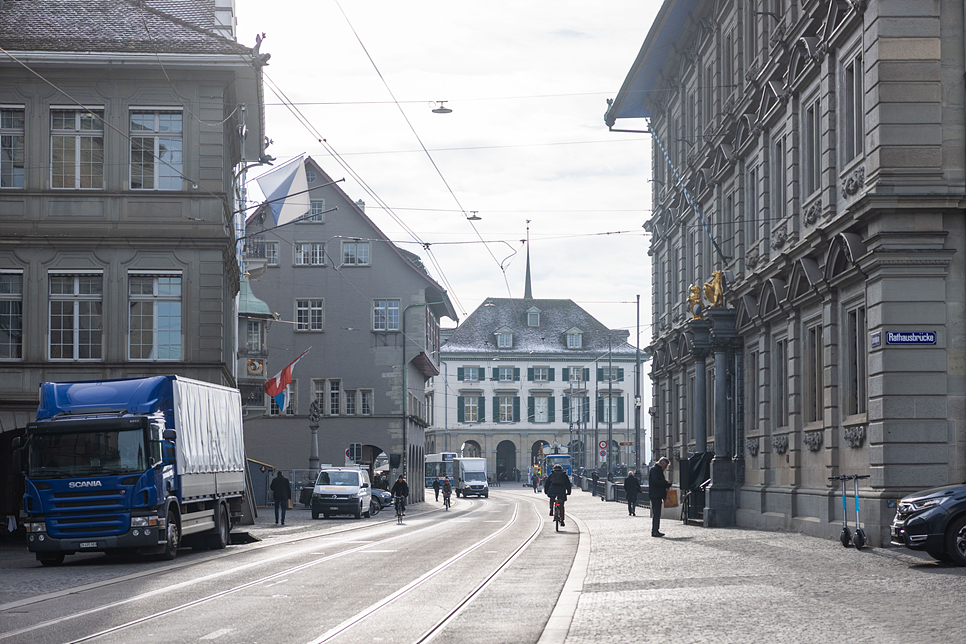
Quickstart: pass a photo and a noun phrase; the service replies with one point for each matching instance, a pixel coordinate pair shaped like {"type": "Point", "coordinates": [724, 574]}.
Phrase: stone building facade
{"type": "Point", "coordinates": [820, 143]}
{"type": "Point", "coordinates": [522, 373]}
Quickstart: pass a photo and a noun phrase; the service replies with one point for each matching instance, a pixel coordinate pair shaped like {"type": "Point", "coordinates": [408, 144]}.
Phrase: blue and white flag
{"type": "Point", "coordinates": [286, 191]}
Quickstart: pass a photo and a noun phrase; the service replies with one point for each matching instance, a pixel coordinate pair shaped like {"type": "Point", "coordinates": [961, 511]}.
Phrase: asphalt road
{"type": "Point", "coordinates": [494, 571]}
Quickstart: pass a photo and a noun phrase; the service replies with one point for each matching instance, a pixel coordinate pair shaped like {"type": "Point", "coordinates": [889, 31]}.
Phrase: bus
{"type": "Point", "coordinates": [563, 460]}
{"type": "Point", "coordinates": [439, 465]}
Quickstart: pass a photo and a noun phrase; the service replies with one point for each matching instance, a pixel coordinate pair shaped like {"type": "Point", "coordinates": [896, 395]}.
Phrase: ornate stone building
{"type": "Point", "coordinates": [820, 144]}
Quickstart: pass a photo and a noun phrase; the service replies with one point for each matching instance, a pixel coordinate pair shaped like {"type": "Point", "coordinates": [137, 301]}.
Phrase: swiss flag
{"type": "Point", "coordinates": [278, 387]}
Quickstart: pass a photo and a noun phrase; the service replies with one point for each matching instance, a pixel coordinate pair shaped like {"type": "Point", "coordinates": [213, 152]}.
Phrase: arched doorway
{"type": "Point", "coordinates": [535, 452]}
{"type": "Point", "coordinates": [377, 462]}
{"type": "Point", "coordinates": [506, 459]}
{"type": "Point", "coordinates": [472, 449]}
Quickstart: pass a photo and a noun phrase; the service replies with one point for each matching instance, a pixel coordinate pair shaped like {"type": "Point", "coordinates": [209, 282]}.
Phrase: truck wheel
{"type": "Point", "coordinates": [956, 541]}
{"type": "Point", "coordinates": [51, 559]}
{"type": "Point", "coordinates": [219, 539]}
{"type": "Point", "coordinates": [358, 513]}
{"type": "Point", "coordinates": [486, 496]}
{"type": "Point", "coordinates": [173, 535]}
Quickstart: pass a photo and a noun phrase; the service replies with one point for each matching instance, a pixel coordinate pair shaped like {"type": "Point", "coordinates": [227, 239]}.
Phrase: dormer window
{"type": "Point", "coordinates": [575, 339]}
{"type": "Point", "coordinates": [533, 317]}
{"type": "Point", "coordinates": [504, 338]}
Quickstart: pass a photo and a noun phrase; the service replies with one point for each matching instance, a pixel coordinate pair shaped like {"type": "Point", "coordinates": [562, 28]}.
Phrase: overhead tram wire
{"type": "Point", "coordinates": [421, 144]}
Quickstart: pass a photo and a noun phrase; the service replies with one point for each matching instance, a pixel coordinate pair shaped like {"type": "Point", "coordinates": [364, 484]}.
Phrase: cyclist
{"type": "Point", "coordinates": [401, 489]}
{"type": "Point", "coordinates": [557, 486]}
{"type": "Point", "coordinates": [447, 490]}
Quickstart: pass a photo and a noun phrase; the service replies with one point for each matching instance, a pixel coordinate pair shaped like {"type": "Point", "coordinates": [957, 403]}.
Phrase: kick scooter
{"type": "Point", "coordinates": [858, 539]}
{"type": "Point", "coordinates": [846, 536]}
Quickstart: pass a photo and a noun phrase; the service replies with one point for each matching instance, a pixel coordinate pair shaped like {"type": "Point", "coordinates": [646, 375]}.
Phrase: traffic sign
{"type": "Point", "coordinates": [602, 444]}
{"type": "Point", "coordinates": [603, 453]}
{"type": "Point", "coordinates": [347, 453]}
{"type": "Point", "coordinates": [627, 444]}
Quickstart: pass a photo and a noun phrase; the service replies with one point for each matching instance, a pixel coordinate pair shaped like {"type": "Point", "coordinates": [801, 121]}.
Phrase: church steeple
{"type": "Point", "coordinates": [527, 291]}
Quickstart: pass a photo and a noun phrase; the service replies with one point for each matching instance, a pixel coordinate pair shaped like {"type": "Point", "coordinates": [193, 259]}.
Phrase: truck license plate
{"type": "Point", "coordinates": [333, 507]}
{"type": "Point", "coordinates": [88, 544]}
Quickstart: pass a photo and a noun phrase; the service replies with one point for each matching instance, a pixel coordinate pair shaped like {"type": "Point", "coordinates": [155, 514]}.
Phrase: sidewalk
{"type": "Point", "coordinates": [736, 585]}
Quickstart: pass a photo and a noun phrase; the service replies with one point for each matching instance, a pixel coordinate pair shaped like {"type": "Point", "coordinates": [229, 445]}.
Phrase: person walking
{"type": "Point", "coordinates": [281, 493]}
{"type": "Point", "coordinates": [631, 489]}
{"type": "Point", "coordinates": [657, 487]}
{"type": "Point", "coordinates": [595, 477]}
{"type": "Point", "coordinates": [535, 481]}
{"type": "Point", "coordinates": [436, 488]}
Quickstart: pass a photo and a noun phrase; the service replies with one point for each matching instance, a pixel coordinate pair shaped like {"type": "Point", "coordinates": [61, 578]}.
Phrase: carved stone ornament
{"type": "Point", "coordinates": [812, 213]}
{"type": "Point", "coordinates": [813, 440]}
{"type": "Point", "coordinates": [752, 445]}
{"type": "Point", "coordinates": [752, 257]}
{"type": "Point", "coordinates": [855, 435]}
{"type": "Point", "coordinates": [858, 5]}
{"type": "Point", "coordinates": [752, 72]}
{"type": "Point", "coordinates": [780, 443]}
{"type": "Point", "coordinates": [778, 237]}
{"type": "Point", "coordinates": [729, 106]}
{"type": "Point", "coordinates": [853, 182]}
{"type": "Point", "coordinates": [778, 35]}
{"type": "Point", "coordinates": [315, 413]}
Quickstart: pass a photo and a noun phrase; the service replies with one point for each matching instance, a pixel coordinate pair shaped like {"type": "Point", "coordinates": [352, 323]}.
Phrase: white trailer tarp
{"type": "Point", "coordinates": [208, 419]}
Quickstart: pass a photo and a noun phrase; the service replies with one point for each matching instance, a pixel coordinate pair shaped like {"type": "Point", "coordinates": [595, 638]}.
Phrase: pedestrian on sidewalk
{"type": "Point", "coordinates": [281, 493]}
{"type": "Point", "coordinates": [631, 489]}
{"type": "Point", "coordinates": [595, 477]}
{"type": "Point", "coordinates": [436, 488]}
{"type": "Point", "coordinates": [535, 481]}
{"type": "Point", "coordinates": [657, 487]}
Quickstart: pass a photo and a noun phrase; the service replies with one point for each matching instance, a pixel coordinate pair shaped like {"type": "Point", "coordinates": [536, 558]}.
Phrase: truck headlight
{"type": "Point", "coordinates": [36, 526]}
{"type": "Point", "coordinates": [143, 522]}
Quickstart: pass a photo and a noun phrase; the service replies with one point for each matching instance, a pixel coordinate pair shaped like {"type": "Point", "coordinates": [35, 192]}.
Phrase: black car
{"type": "Point", "coordinates": [933, 520]}
{"type": "Point", "coordinates": [385, 499]}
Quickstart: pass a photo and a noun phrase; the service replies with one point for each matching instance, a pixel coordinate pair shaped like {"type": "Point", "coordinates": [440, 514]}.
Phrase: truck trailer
{"type": "Point", "coordinates": [139, 464]}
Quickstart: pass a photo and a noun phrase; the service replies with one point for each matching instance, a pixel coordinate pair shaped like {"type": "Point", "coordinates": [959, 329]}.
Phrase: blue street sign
{"type": "Point", "coordinates": [910, 337]}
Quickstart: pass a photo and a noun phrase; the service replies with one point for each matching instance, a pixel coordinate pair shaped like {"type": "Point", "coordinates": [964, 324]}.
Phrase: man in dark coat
{"type": "Point", "coordinates": [657, 487]}
{"type": "Point", "coordinates": [595, 477]}
{"type": "Point", "coordinates": [557, 486]}
{"type": "Point", "coordinates": [535, 481]}
{"type": "Point", "coordinates": [436, 487]}
{"type": "Point", "coordinates": [401, 489]}
{"type": "Point", "coordinates": [631, 488]}
{"type": "Point", "coordinates": [281, 493]}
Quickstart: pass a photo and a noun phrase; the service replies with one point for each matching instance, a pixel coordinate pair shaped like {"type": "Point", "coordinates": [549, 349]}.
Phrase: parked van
{"type": "Point", "coordinates": [342, 490]}
{"type": "Point", "coordinates": [471, 477]}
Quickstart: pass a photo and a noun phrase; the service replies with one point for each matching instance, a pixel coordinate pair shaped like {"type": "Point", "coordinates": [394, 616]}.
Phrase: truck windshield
{"type": "Point", "coordinates": [474, 476]}
{"type": "Point", "coordinates": [87, 453]}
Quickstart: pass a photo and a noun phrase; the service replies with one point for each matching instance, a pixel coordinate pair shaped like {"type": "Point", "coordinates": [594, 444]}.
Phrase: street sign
{"type": "Point", "coordinates": [603, 453]}
{"type": "Point", "coordinates": [602, 444]}
{"type": "Point", "coordinates": [628, 444]}
{"type": "Point", "coordinates": [347, 453]}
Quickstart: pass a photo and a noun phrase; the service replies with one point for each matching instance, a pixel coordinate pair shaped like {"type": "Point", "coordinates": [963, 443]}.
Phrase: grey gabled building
{"type": "Point", "coordinates": [118, 142]}
{"type": "Point", "coordinates": [369, 314]}
{"type": "Point", "coordinates": [820, 142]}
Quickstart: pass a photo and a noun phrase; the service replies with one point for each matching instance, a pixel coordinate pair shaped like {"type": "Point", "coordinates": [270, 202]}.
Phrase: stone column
{"type": "Point", "coordinates": [720, 507]}
{"type": "Point", "coordinates": [315, 416]}
{"type": "Point", "coordinates": [701, 346]}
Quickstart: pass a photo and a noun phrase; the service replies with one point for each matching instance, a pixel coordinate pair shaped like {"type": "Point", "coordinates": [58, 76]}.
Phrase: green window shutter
{"type": "Point", "coordinates": [516, 375]}
{"type": "Point", "coordinates": [586, 418]}
{"type": "Point", "coordinates": [496, 409]}
{"type": "Point", "coordinates": [516, 409]}
{"type": "Point", "coordinates": [460, 411]}
{"type": "Point", "coordinates": [529, 374]}
{"type": "Point", "coordinates": [600, 374]}
{"type": "Point", "coordinates": [459, 373]}
{"type": "Point", "coordinates": [620, 374]}
{"type": "Point", "coordinates": [565, 374]}
{"type": "Point", "coordinates": [481, 408]}
{"type": "Point", "coordinates": [600, 410]}
{"type": "Point", "coordinates": [566, 409]}
{"type": "Point", "coordinates": [496, 373]}
{"type": "Point", "coordinates": [550, 410]}
{"type": "Point", "coordinates": [531, 412]}
{"type": "Point", "coordinates": [551, 373]}
{"type": "Point", "coordinates": [586, 374]}
{"type": "Point", "coordinates": [620, 409]}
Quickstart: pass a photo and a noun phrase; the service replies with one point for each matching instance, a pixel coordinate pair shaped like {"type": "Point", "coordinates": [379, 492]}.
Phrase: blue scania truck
{"type": "Point", "coordinates": [139, 464]}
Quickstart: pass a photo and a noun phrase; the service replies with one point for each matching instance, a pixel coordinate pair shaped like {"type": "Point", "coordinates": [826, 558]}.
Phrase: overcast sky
{"type": "Point", "coordinates": [527, 83]}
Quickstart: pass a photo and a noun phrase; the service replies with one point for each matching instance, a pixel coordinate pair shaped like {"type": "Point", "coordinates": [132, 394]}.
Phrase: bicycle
{"type": "Point", "coordinates": [446, 501]}
{"type": "Point", "coordinates": [398, 504]}
{"type": "Point", "coordinates": [558, 513]}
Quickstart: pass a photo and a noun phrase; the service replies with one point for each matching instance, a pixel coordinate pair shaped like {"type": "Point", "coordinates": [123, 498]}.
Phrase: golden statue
{"type": "Point", "coordinates": [715, 289]}
{"type": "Point", "coordinates": [695, 304]}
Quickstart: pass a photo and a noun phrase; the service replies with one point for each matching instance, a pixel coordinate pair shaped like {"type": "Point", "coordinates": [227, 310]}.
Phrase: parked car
{"type": "Point", "coordinates": [342, 490]}
{"type": "Point", "coordinates": [933, 520]}
{"type": "Point", "coordinates": [383, 497]}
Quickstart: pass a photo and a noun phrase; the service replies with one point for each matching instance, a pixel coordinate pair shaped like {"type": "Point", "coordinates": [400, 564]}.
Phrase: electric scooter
{"type": "Point", "coordinates": [858, 539]}
{"type": "Point", "coordinates": [846, 536]}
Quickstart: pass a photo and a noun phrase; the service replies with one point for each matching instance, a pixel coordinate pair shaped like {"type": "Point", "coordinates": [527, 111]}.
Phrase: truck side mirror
{"type": "Point", "coordinates": [16, 443]}
{"type": "Point", "coordinates": [169, 434]}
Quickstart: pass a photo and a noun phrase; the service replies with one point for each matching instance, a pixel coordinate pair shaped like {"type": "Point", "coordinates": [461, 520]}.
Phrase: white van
{"type": "Point", "coordinates": [342, 490]}
{"type": "Point", "coordinates": [471, 477]}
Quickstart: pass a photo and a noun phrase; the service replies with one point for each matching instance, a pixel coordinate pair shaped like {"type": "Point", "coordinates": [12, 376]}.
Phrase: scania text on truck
{"type": "Point", "coordinates": [138, 464]}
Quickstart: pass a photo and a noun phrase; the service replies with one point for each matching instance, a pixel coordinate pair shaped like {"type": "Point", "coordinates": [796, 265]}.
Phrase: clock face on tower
{"type": "Point", "coordinates": [256, 367]}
